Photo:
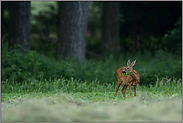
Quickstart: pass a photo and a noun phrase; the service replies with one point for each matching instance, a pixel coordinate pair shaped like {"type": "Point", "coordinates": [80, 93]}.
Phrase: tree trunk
{"type": "Point", "coordinates": [136, 26]}
{"type": "Point", "coordinates": [20, 25]}
{"type": "Point", "coordinates": [110, 27]}
{"type": "Point", "coordinates": [2, 17]}
{"type": "Point", "coordinates": [72, 30]}
{"type": "Point", "coordinates": [5, 6]}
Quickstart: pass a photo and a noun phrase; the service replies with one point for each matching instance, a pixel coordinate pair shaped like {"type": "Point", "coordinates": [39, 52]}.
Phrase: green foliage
{"type": "Point", "coordinates": [172, 41]}
{"type": "Point", "coordinates": [126, 74]}
{"type": "Point", "coordinates": [163, 64]}
{"type": "Point", "coordinates": [18, 67]}
{"type": "Point", "coordinates": [44, 46]}
{"type": "Point", "coordinates": [44, 23]}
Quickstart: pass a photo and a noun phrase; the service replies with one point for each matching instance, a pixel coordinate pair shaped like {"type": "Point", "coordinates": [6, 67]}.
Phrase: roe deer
{"type": "Point", "coordinates": [127, 80]}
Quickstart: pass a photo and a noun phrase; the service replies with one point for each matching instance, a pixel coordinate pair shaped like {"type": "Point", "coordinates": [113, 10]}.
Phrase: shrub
{"type": "Point", "coordinates": [18, 67]}
{"type": "Point", "coordinates": [172, 40]}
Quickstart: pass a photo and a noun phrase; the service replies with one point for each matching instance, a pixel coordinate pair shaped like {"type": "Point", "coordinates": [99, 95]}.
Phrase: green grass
{"type": "Point", "coordinates": [77, 101]}
{"type": "Point", "coordinates": [37, 88]}
{"type": "Point", "coordinates": [62, 84]}
{"type": "Point", "coordinates": [163, 86]}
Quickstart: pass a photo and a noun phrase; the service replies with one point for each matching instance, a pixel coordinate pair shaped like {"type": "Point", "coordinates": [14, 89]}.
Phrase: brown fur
{"type": "Point", "coordinates": [127, 80]}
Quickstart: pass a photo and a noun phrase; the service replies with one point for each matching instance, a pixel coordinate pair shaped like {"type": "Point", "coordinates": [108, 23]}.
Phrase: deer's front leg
{"type": "Point", "coordinates": [119, 83]}
{"type": "Point", "coordinates": [123, 90]}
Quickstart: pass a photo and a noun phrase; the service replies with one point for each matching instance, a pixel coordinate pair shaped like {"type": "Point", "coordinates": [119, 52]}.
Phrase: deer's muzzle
{"type": "Point", "coordinates": [123, 71]}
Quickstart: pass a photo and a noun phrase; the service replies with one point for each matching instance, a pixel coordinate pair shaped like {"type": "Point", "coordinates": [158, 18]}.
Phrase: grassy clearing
{"type": "Point", "coordinates": [158, 103]}
{"type": "Point", "coordinates": [78, 107]}
{"type": "Point", "coordinates": [34, 90]}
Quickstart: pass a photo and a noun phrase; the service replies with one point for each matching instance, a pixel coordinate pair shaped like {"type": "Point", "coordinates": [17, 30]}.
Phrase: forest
{"type": "Point", "coordinates": [61, 58]}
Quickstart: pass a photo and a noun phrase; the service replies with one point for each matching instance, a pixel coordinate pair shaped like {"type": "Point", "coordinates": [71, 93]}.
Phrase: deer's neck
{"type": "Point", "coordinates": [134, 76]}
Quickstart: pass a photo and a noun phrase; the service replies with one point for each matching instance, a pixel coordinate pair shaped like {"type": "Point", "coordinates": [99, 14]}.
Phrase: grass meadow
{"type": "Point", "coordinates": [71, 101]}
{"type": "Point", "coordinates": [37, 88]}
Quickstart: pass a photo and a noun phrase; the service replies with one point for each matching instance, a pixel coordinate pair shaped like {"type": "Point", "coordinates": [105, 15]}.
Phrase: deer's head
{"type": "Point", "coordinates": [129, 67]}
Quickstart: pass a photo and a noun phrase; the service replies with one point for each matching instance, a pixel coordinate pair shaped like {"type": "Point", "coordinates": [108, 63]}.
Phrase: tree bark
{"type": "Point", "coordinates": [136, 26]}
{"type": "Point", "coordinates": [72, 30]}
{"type": "Point", "coordinates": [20, 25]}
{"type": "Point", "coordinates": [110, 27]}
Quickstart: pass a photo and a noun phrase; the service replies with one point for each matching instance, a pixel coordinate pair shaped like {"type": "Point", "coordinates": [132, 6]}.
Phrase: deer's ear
{"type": "Point", "coordinates": [128, 62]}
{"type": "Point", "coordinates": [133, 63]}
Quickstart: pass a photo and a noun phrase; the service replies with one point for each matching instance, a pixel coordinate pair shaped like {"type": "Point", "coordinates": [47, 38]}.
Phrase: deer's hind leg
{"type": "Point", "coordinates": [135, 87]}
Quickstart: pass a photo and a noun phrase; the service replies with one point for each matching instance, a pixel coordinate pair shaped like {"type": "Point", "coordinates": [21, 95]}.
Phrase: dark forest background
{"type": "Point", "coordinates": [90, 40]}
